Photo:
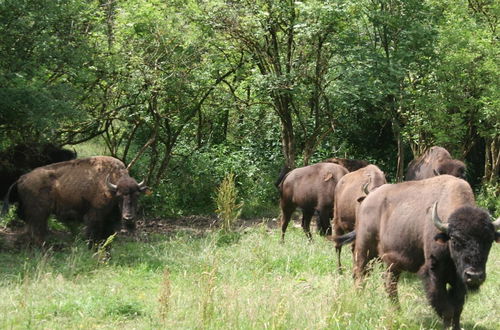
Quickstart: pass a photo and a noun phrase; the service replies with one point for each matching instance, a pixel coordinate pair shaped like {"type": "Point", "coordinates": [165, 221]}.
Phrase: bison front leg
{"type": "Point", "coordinates": [95, 231]}
{"type": "Point", "coordinates": [448, 305]}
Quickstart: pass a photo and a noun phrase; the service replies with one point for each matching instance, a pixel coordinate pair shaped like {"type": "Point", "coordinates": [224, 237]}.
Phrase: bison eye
{"type": "Point", "coordinates": [457, 242]}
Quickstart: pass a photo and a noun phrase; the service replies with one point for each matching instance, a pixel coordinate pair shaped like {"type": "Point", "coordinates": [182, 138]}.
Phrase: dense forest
{"type": "Point", "coordinates": [186, 91]}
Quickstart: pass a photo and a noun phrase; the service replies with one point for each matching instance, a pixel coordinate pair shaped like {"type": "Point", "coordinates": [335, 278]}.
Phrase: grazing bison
{"type": "Point", "coordinates": [435, 161]}
{"type": "Point", "coordinates": [311, 188]}
{"type": "Point", "coordinates": [22, 158]}
{"type": "Point", "coordinates": [97, 191]}
{"type": "Point", "coordinates": [350, 164]}
{"type": "Point", "coordinates": [350, 191]}
{"type": "Point", "coordinates": [431, 227]}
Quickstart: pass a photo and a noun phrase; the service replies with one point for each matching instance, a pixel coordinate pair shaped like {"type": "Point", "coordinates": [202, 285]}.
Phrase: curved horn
{"type": "Point", "coordinates": [436, 172]}
{"type": "Point", "coordinates": [496, 223]}
{"type": "Point", "coordinates": [111, 186]}
{"type": "Point", "coordinates": [365, 186]}
{"type": "Point", "coordinates": [142, 186]}
{"type": "Point", "coordinates": [437, 222]}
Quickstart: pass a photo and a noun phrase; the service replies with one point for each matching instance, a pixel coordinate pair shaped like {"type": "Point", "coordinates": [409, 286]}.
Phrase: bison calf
{"type": "Point", "coordinates": [312, 189]}
{"type": "Point", "coordinates": [97, 191]}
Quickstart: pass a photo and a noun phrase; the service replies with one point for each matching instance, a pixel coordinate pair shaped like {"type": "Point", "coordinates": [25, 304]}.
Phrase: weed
{"type": "Point", "coordinates": [165, 294]}
{"type": "Point", "coordinates": [228, 209]}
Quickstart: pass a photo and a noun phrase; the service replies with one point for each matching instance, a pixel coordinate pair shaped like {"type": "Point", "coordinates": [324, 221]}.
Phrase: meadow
{"type": "Point", "coordinates": [209, 279]}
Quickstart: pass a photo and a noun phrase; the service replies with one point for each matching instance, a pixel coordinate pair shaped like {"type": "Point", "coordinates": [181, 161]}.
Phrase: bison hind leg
{"type": "Point", "coordinates": [307, 215]}
{"type": "Point", "coordinates": [286, 214]}
{"type": "Point", "coordinates": [324, 225]}
{"type": "Point", "coordinates": [391, 284]}
{"type": "Point", "coordinates": [36, 223]}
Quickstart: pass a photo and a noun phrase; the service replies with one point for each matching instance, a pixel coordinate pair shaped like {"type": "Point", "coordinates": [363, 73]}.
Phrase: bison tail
{"type": "Point", "coordinates": [282, 175]}
{"type": "Point", "coordinates": [346, 239]}
{"type": "Point", "coordinates": [6, 199]}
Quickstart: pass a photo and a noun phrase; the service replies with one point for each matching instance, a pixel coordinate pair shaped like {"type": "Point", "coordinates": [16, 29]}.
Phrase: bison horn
{"type": "Point", "coordinates": [112, 187]}
{"type": "Point", "coordinates": [436, 172]}
{"type": "Point", "coordinates": [496, 223]}
{"type": "Point", "coordinates": [142, 185]}
{"type": "Point", "coordinates": [365, 186]}
{"type": "Point", "coordinates": [437, 222]}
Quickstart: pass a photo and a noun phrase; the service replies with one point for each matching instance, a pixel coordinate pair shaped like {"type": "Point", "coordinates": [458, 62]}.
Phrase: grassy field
{"type": "Point", "coordinates": [188, 280]}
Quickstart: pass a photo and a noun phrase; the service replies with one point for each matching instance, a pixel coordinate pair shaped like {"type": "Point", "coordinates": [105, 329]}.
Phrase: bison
{"type": "Point", "coordinates": [97, 191]}
{"type": "Point", "coordinates": [24, 157]}
{"type": "Point", "coordinates": [350, 164]}
{"type": "Point", "coordinates": [311, 188]}
{"type": "Point", "coordinates": [430, 227]}
{"type": "Point", "coordinates": [349, 192]}
{"type": "Point", "coordinates": [435, 161]}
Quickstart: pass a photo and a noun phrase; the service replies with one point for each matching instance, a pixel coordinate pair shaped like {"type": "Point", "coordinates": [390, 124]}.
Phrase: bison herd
{"type": "Point", "coordinates": [428, 225]}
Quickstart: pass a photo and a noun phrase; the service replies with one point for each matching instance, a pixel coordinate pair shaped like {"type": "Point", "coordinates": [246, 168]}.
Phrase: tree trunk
{"type": "Point", "coordinates": [400, 161]}
{"type": "Point", "coordinates": [492, 160]}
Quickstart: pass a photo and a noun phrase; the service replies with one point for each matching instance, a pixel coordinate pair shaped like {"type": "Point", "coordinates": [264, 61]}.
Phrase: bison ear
{"type": "Point", "coordinates": [328, 177]}
{"type": "Point", "coordinates": [360, 199]}
{"type": "Point", "coordinates": [441, 238]}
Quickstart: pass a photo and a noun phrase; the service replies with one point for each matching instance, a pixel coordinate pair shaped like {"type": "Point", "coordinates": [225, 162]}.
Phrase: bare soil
{"type": "Point", "coordinates": [13, 237]}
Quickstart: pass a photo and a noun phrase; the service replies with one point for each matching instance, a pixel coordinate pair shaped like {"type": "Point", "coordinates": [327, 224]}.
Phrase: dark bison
{"type": "Point", "coordinates": [22, 158]}
{"type": "Point", "coordinates": [350, 164]}
{"type": "Point", "coordinates": [435, 161]}
{"type": "Point", "coordinates": [97, 191]}
{"type": "Point", "coordinates": [349, 192]}
{"type": "Point", "coordinates": [311, 188]}
{"type": "Point", "coordinates": [431, 227]}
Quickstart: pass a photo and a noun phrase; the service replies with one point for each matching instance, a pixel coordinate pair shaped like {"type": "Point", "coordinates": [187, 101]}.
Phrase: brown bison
{"type": "Point", "coordinates": [22, 158]}
{"type": "Point", "coordinates": [311, 188]}
{"type": "Point", "coordinates": [350, 191]}
{"type": "Point", "coordinates": [97, 191]}
{"type": "Point", "coordinates": [350, 164]}
{"type": "Point", "coordinates": [435, 161]}
{"type": "Point", "coordinates": [430, 227]}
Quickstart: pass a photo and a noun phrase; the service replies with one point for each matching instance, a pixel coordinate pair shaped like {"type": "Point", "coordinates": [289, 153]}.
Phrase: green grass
{"type": "Point", "coordinates": [249, 281]}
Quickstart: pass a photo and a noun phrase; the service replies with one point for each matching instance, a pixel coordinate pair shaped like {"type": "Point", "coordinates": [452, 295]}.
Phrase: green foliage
{"type": "Point", "coordinates": [192, 90]}
{"type": "Point", "coordinates": [489, 198]}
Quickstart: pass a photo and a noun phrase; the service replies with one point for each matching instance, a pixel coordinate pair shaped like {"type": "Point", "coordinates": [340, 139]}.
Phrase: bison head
{"type": "Point", "coordinates": [452, 167]}
{"type": "Point", "coordinates": [469, 234]}
{"type": "Point", "coordinates": [127, 190]}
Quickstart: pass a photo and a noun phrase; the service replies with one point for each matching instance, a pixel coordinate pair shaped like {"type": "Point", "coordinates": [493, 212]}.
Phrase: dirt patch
{"type": "Point", "coordinates": [13, 236]}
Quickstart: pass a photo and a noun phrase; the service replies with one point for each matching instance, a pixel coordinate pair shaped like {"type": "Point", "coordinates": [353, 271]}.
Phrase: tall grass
{"type": "Point", "coordinates": [187, 282]}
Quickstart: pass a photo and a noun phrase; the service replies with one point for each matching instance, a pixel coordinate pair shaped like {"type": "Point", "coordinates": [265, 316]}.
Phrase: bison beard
{"type": "Point", "coordinates": [407, 234]}
{"type": "Point", "coordinates": [79, 191]}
